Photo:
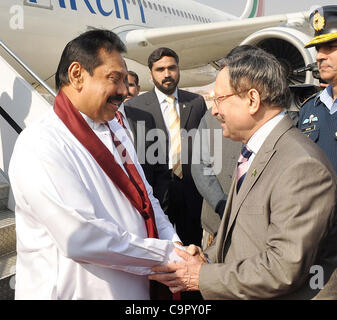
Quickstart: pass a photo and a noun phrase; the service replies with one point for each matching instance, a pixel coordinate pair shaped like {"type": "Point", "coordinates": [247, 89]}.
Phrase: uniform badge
{"type": "Point", "coordinates": [318, 22]}
{"type": "Point", "coordinates": [311, 119]}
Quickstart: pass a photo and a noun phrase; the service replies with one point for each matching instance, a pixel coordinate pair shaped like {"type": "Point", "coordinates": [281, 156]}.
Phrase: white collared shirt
{"type": "Point", "coordinates": [164, 106]}
{"type": "Point", "coordinates": [78, 236]}
{"type": "Point", "coordinates": [258, 138]}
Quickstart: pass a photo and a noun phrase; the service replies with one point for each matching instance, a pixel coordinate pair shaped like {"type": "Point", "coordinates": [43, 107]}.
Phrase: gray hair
{"type": "Point", "coordinates": [259, 70]}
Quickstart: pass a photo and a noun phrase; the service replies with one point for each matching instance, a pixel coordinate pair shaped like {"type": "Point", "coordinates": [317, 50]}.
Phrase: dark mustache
{"type": "Point", "coordinates": [169, 79]}
{"type": "Point", "coordinates": [118, 97]}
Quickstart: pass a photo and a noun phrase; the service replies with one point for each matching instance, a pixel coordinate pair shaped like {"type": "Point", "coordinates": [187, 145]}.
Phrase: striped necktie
{"type": "Point", "coordinates": [242, 166]}
{"type": "Point", "coordinates": [119, 118]}
{"type": "Point", "coordinates": [175, 139]}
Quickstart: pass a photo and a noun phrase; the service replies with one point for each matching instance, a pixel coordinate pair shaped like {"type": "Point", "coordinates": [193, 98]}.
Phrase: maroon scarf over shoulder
{"type": "Point", "coordinates": [133, 186]}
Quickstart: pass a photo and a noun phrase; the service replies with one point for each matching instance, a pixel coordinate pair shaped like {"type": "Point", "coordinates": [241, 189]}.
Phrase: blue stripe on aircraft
{"type": "Point", "coordinates": [101, 10]}
{"type": "Point", "coordinates": [89, 6]}
{"type": "Point", "coordinates": [118, 15]}
{"type": "Point", "coordinates": [63, 5]}
{"type": "Point", "coordinates": [141, 11]}
{"type": "Point", "coordinates": [125, 9]}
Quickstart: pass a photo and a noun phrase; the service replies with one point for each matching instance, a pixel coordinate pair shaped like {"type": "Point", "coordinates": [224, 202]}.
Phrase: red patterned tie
{"type": "Point", "coordinates": [119, 117]}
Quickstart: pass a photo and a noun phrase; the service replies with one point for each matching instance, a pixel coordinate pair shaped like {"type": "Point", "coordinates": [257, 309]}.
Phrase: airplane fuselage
{"type": "Point", "coordinates": [47, 25]}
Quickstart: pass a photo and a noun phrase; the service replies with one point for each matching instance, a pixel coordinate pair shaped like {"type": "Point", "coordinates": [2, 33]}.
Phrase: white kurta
{"type": "Point", "coordinates": [78, 236]}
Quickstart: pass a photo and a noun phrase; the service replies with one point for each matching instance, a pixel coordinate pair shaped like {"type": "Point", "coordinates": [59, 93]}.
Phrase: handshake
{"type": "Point", "coordinates": [182, 275]}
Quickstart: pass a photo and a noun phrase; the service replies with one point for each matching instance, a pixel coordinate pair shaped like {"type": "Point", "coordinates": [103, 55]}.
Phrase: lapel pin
{"type": "Point", "coordinates": [254, 172]}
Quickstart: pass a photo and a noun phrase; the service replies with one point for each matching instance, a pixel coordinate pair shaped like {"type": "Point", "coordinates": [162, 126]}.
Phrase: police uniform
{"type": "Point", "coordinates": [318, 115]}
{"type": "Point", "coordinates": [316, 121]}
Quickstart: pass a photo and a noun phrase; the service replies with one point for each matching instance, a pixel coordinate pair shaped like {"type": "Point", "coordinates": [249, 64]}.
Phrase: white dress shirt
{"type": "Point", "coordinates": [164, 106]}
{"type": "Point", "coordinates": [257, 139]}
{"type": "Point", "coordinates": [78, 236]}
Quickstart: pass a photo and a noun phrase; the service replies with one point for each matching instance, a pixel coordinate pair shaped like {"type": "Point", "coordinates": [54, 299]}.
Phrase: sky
{"type": "Point", "coordinates": [236, 7]}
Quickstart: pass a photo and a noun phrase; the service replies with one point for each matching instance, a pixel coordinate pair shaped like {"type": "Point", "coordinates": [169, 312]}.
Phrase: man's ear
{"type": "Point", "coordinates": [254, 101]}
{"type": "Point", "coordinates": [75, 75]}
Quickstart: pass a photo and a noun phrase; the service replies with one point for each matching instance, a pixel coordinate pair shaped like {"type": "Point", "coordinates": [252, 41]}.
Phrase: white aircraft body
{"type": "Point", "coordinates": [38, 30]}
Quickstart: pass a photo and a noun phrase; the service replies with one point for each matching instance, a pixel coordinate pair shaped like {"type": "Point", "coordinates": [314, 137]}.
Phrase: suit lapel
{"type": "Point", "coordinates": [184, 109]}
{"type": "Point", "coordinates": [253, 174]}
{"type": "Point", "coordinates": [154, 106]}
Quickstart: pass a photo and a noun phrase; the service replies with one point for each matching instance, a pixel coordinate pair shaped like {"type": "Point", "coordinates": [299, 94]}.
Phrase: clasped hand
{"type": "Point", "coordinates": [184, 275]}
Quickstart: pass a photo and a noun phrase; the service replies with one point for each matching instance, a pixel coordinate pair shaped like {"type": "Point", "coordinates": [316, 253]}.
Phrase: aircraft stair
{"type": "Point", "coordinates": [20, 104]}
{"type": "Point", "coordinates": [7, 245]}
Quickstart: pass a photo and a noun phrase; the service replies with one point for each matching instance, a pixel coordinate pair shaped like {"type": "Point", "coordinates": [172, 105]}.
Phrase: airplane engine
{"type": "Point", "coordinates": [288, 47]}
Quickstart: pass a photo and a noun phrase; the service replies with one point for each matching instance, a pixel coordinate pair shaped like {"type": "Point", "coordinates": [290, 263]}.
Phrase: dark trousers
{"type": "Point", "coordinates": [184, 210]}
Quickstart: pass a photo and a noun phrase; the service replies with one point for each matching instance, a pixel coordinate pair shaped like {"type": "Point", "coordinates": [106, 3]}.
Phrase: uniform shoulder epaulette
{"type": "Point", "coordinates": [309, 98]}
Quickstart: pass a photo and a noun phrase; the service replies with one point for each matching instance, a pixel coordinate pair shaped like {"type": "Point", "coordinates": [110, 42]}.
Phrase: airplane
{"type": "Point", "coordinates": [38, 30]}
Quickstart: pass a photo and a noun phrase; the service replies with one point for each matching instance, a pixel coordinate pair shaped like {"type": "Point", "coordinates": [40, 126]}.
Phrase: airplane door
{"type": "Point", "coordinates": [44, 4]}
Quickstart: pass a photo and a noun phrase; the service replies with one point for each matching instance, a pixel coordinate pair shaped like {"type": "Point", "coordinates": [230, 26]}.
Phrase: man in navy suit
{"type": "Point", "coordinates": [178, 196]}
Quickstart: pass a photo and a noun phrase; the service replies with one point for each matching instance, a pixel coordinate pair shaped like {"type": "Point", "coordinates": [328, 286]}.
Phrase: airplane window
{"type": "Point", "coordinates": [178, 14]}
{"type": "Point", "coordinates": [185, 15]}
{"type": "Point", "coordinates": [144, 4]}
{"type": "Point", "coordinates": [181, 14]}
{"type": "Point", "coordinates": [174, 12]}
{"type": "Point", "coordinates": [189, 15]}
{"type": "Point", "coordinates": [193, 17]}
{"type": "Point", "coordinates": [169, 10]}
{"type": "Point", "coordinates": [164, 8]}
{"type": "Point", "coordinates": [134, 2]}
{"type": "Point", "coordinates": [155, 6]}
{"type": "Point", "coordinates": [159, 6]}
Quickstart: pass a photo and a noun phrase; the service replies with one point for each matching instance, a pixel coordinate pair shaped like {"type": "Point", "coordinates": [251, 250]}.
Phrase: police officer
{"type": "Point", "coordinates": [318, 116]}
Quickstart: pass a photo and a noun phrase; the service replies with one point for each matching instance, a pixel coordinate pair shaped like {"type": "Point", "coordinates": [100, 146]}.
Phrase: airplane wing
{"type": "Point", "coordinates": [201, 44]}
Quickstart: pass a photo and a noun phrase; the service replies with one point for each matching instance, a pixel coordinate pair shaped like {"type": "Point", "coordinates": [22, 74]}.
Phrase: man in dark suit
{"type": "Point", "coordinates": [174, 110]}
{"type": "Point", "coordinates": [277, 237]}
{"type": "Point", "coordinates": [138, 124]}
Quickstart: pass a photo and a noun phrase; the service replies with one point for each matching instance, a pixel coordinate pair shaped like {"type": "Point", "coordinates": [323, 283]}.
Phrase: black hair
{"type": "Point", "coordinates": [135, 75]}
{"type": "Point", "coordinates": [85, 50]}
{"type": "Point", "coordinates": [159, 53]}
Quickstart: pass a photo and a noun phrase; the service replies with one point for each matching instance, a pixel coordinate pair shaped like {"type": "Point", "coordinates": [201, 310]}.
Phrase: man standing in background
{"type": "Point", "coordinates": [174, 109]}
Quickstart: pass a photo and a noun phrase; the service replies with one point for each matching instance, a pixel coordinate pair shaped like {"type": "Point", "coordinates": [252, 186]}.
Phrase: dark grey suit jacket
{"type": "Point", "coordinates": [141, 123]}
{"type": "Point", "coordinates": [192, 107]}
{"type": "Point", "coordinates": [279, 228]}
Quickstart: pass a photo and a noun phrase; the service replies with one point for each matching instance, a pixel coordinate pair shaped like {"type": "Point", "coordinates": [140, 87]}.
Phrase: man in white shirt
{"type": "Point", "coordinates": [88, 226]}
{"type": "Point", "coordinates": [278, 232]}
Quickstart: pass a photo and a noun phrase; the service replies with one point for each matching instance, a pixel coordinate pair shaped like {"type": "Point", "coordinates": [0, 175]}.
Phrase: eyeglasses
{"type": "Point", "coordinates": [218, 100]}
